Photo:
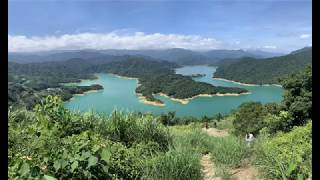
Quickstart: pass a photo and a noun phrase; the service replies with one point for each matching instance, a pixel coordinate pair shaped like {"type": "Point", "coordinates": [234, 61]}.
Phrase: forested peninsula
{"type": "Point", "coordinates": [154, 77]}
{"type": "Point", "coordinates": [265, 71]}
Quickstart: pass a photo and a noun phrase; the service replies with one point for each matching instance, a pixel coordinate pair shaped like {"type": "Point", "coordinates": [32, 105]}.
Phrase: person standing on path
{"type": "Point", "coordinates": [249, 138]}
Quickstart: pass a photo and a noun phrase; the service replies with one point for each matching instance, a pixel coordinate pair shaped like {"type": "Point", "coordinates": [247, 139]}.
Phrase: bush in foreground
{"type": "Point", "coordinates": [52, 142]}
{"type": "Point", "coordinates": [287, 155]}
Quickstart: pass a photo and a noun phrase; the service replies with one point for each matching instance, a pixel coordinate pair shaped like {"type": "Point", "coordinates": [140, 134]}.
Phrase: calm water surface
{"type": "Point", "coordinates": [119, 93]}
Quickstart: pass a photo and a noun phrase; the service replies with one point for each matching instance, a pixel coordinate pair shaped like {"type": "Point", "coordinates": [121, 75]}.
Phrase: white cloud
{"type": "Point", "coordinates": [270, 47]}
{"type": "Point", "coordinates": [237, 42]}
{"type": "Point", "coordinates": [305, 36]}
{"type": "Point", "coordinates": [112, 40]}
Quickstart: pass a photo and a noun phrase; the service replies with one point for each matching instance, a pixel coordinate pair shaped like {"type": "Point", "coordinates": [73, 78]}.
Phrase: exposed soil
{"type": "Point", "coordinates": [216, 132]}
{"type": "Point", "coordinates": [245, 173]}
{"type": "Point", "coordinates": [208, 168]}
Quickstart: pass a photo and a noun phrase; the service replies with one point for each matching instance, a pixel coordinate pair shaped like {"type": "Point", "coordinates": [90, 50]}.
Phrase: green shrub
{"type": "Point", "coordinates": [277, 122]}
{"type": "Point", "coordinates": [287, 155]}
{"type": "Point", "coordinates": [52, 142]}
{"type": "Point", "coordinates": [298, 96]}
{"type": "Point", "coordinates": [249, 118]}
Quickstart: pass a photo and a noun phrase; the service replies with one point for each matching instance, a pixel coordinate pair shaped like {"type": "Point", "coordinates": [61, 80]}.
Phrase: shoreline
{"type": "Point", "coordinates": [187, 100]}
{"type": "Point", "coordinates": [245, 84]}
{"type": "Point", "coordinates": [182, 101]}
{"type": "Point", "coordinates": [144, 100]}
{"type": "Point", "coordinates": [123, 77]}
{"type": "Point", "coordinates": [84, 93]}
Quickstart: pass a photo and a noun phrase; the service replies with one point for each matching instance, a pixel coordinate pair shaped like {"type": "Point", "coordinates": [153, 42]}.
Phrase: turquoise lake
{"type": "Point", "coordinates": [119, 93]}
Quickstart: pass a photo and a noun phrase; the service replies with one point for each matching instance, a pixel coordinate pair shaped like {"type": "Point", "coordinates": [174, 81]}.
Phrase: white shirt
{"type": "Point", "coordinates": [251, 138]}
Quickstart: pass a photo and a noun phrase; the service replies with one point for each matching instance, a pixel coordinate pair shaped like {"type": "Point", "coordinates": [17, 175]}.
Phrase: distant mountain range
{"type": "Point", "coordinates": [265, 71]}
{"type": "Point", "coordinates": [177, 55]}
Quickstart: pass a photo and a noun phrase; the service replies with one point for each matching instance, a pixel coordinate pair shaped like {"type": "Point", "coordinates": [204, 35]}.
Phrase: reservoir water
{"type": "Point", "coordinates": [119, 93]}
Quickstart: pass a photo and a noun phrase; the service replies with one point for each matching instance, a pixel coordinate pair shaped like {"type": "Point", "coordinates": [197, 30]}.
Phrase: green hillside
{"type": "Point", "coordinates": [266, 71]}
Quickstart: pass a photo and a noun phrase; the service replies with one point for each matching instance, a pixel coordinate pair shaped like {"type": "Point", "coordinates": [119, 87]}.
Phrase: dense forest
{"type": "Point", "coordinates": [267, 71]}
{"type": "Point", "coordinates": [50, 142]}
{"type": "Point", "coordinates": [154, 77]}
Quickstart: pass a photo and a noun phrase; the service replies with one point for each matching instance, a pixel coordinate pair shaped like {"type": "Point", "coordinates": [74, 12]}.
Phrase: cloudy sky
{"type": "Point", "coordinates": [279, 26]}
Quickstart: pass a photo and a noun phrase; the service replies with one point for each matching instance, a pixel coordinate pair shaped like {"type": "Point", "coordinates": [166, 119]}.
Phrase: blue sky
{"type": "Point", "coordinates": [280, 26]}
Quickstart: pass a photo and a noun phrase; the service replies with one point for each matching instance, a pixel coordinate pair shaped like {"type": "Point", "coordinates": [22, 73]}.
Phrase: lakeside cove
{"type": "Point", "coordinates": [119, 93]}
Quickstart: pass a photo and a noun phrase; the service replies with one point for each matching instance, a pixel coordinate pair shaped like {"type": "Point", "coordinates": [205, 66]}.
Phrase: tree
{"type": "Point", "coordinates": [249, 118]}
{"type": "Point", "coordinates": [219, 117]}
{"type": "Point", "coordinates": [205, 118]}
{"type": "Point", "coordinates": [298, 96]}
{"type": "Point", "coordinates": [166, 119]}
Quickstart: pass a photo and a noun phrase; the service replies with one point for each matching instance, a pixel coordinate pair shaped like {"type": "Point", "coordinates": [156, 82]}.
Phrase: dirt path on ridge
{"type": "Point", "coordinates": [216, 132]}
{"type": "Point", "coordinates": [208, 168]}
{"type": "Point", "coordinates": [245, 173]}
{"type": "Point", "coordinates": [248, 172]}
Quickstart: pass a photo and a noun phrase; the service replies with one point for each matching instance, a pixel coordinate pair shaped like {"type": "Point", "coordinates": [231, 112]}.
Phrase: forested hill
{"type": "Point", "coordinates": [266, 71]}
{"type": "Point", "coordinates": [176, 55]}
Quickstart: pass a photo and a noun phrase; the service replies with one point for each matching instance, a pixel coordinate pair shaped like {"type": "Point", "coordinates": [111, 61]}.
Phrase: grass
{"type": "Point", "coordinates": [176, 164]}
{"type": "Point", "coordinates": [228, 151]}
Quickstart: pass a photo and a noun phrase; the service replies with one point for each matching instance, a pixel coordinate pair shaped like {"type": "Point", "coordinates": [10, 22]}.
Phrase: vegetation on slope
{"type": "Point", "coordinates": [22, 92]}
{"type": "Point", "coordinates": [267, 71]}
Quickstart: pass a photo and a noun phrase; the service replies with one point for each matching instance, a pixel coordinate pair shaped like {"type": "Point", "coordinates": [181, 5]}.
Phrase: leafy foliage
{"type": "Point", "coordinates": [53, 142]}
{"type": "Point", "coordinates": [249, 118]}
{"type": "Point", "coordinates": [287, 155]}
{"type": "Point", "coordinates": [298, 96]}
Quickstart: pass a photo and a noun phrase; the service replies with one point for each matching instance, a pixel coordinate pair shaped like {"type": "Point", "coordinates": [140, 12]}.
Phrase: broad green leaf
{"type": "Point", "coordinates": [47, 177]}
{"type": "Point", "coordinates": [300, 177]}
{"type": "Point", "coordinates": [105, 168]}
{"type": "Point", "coordinates": [74, 166]}
{"type": "Point", "coordinates": [291, 168]}
{"type": "Point", "coordinates": [92, 161]}
{"type": "Point", "coordinates": [57, 165]}
{"type": "Point", "coordinates": [105, 154]}
{"type": "Point", "coordinates": [24, 169]}
{"type": "Point", "coordinates": [85, 154]}
{"type": "Point", "coordinates": [95, 148]}
{"type": "Point", "coordinates": [64, 163]}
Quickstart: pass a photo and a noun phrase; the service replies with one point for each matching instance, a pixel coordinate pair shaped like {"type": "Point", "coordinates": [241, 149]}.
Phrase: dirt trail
{"type": "Point", "coordinates": [245, 173]}
{"type": "Point", "coordinates": [208, 168]}
{"type": "Point", "coordinates": [216, 132]}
